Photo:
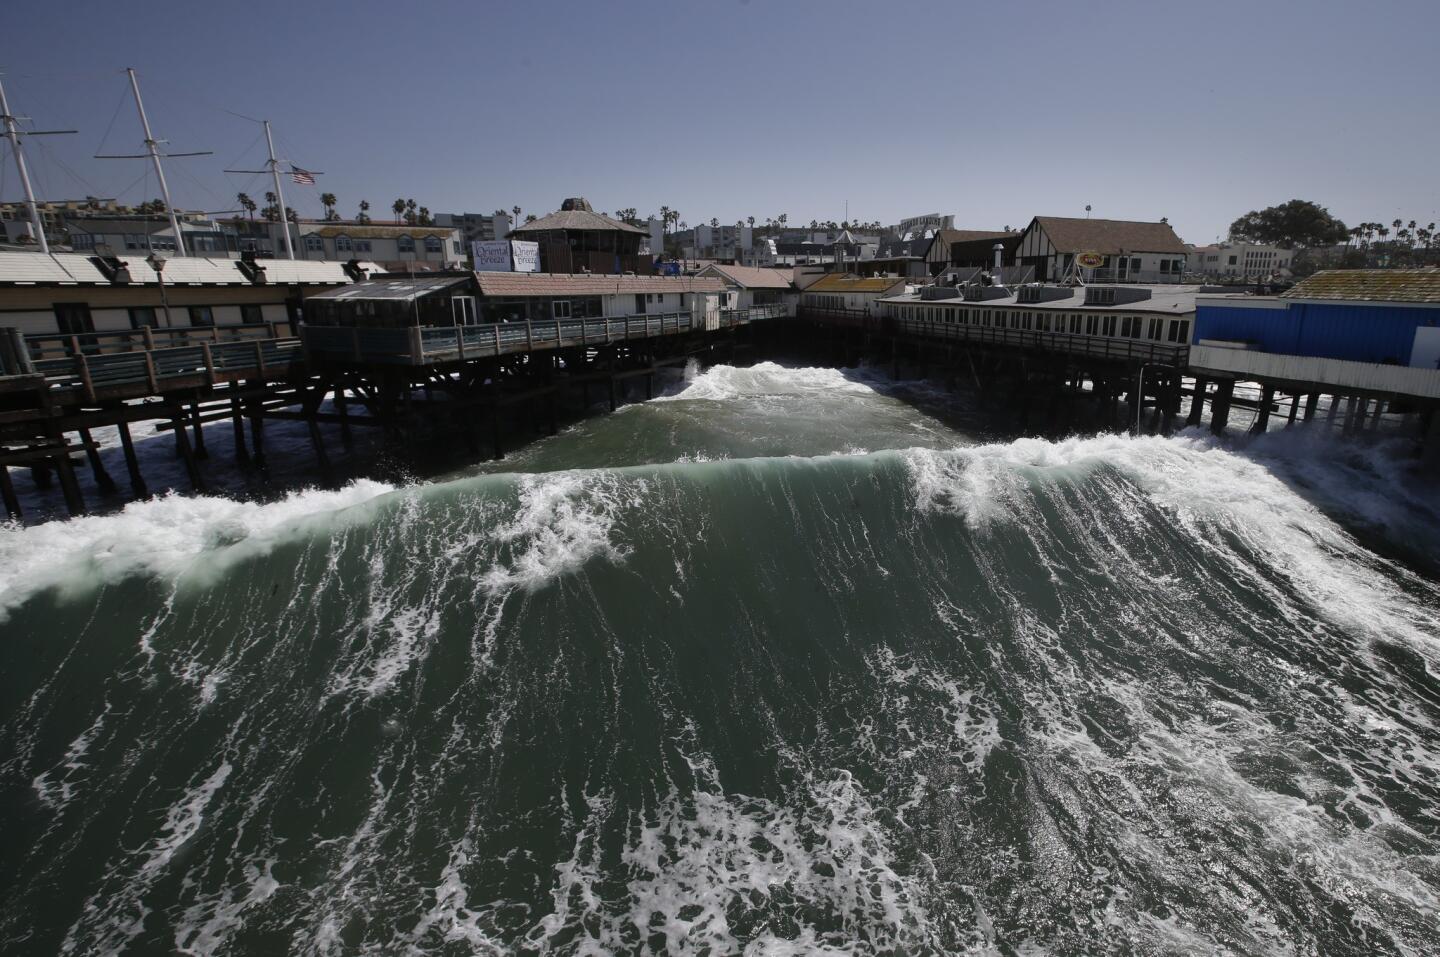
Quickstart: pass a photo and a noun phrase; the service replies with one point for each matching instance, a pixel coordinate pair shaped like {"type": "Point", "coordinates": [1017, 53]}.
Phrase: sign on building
{"type": "Point", "coordinates": [504, 255]}
{"type": "Point", "coordinates": [526, 255]}
{"type": "Point", "coordinates": [491, 256]}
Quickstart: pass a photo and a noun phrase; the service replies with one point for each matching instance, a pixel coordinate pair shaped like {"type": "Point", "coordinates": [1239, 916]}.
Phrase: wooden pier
{"type": "Point", "coordinates": [410, 382]}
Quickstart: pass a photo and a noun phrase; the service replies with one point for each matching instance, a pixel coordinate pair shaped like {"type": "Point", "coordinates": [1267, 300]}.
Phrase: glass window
{"type": "Point", "coordinates": [143, 316]}
{"type": "Point", "coordinates": [362, 245]}
{"type": "Point", "coordinates": [433, 245]}
{"type": "Point", "coordinates": [343, 244]}
{"type": "Point", "coordinates": [560, 309]}
{"type": "Point", "coordinates": [251, 314]}
{"type": "Point", "coordinates": [313, 243]}
{"type": "Point", "coordinates": [202, 316]}
{"type": "Point", "coordinates": [406, 244]}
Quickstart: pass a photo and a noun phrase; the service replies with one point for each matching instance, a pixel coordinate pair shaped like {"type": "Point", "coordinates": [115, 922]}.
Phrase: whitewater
{"type": "Point", "coordinates": [786, 661]}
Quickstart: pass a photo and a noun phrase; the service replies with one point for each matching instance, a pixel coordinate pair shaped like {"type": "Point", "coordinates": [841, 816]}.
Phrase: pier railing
{"type": "Point", "coordinates": [423, 345]}
{"type": "Point", "coordinates": [126, 374]}
{"type": "Point", "coordinates": [54, 345]}
{"type": "Point", "coordinates": [1116, 349]}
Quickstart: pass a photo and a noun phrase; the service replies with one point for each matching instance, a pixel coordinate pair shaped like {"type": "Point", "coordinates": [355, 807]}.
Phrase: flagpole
{"type": "Point", "coordinates": [279, 195]}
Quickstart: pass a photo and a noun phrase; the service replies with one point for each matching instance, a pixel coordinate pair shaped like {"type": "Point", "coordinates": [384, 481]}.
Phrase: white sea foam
{"type": "Point", "coordinates": [167, 537]}
{"type": "Point", "coordinates": [563, 520]}
{"type": "Point", "coordinates": [725, 382]}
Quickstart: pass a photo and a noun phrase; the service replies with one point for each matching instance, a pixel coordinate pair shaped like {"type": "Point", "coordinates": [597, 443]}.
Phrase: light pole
{"type": "Point", "coordinates": [157, 263]}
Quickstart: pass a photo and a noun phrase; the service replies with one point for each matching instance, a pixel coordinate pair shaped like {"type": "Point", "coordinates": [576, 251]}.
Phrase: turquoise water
{"type": "Point", "coordinates": [776, 664]}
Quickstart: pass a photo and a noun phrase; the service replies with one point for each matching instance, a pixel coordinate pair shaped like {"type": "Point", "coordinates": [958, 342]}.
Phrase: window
{"type": "Point", "coordinates": [433, 244]}
{"type": "Point", "coordinates": [142, 317]}
{"type": "Point", "coordinates": [560, 309]}
{"type": "Point", "coordinates": [1152, 330]}
{"type": "Point", "coordinates": [640, 302]}
{"type": "Point", "coordinates": [1092, 325]}
{"type": "Point", "coordinates": [1134, 263]}
{"type": "Point", "coordinates": [202, 316]}
{"type": "Point", "coordinates": [73, 317]}
{"type": "Point", "coordinates": [251, 314]}
{"type": "Point", "coordinates": [457, 249]}
{"type": "Point", "coordinates": [313, 243]}
{"type": "Point", "coordinates": [343, 244]}
{"type": "Point", "coordinates": [1107, 326]}
{"type": "Point", "coordinates": [1179, 331]}
{"type": "Point", "coordinates": [82, 241]}
{"type": "Point", "coordinates": [362, 245]}
{"type": "Point", "coordinates": [406, 244]}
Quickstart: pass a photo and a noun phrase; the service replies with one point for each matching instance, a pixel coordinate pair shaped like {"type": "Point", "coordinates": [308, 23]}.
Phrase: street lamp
{"type": "Point", "coordinates": [157, 263]}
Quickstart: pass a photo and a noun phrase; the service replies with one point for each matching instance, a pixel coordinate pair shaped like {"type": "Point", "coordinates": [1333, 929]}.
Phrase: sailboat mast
{"type": "Point", "coordinates": [279, 195]}
{"type": "Point", "coordinates": [151, 146]}
{"type": "Point", "coordinates": [12, 133]}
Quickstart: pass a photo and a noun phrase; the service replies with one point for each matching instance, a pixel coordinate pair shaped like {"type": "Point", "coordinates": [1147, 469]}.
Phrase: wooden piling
{"type": "Point", "coordinates": [1262, 414]}
{"type": "Point", "coordinates": [7, 494]}
{"type": "Point", "coordinates": [1197, 404]}
{"type": "Point", "coordinates": [1312, 402]}
{"type": "Point", "coordinates": [342, 409]}
{"type": "Point", "coordinates": [103, 481]}
{"type": "Point", "coordinates": [182, 440]}
{"type": "Point", "coordinates": [237, 422]}
{"type": "Point", "coordinates": [322, 458]}
{"type": "Point", "coordinates": [74, 501]}
{"type": "Point", "coordinates": [200, 451]}
{"type": "Point", "coordinates": [132, 461]}
{"type": "Point", "coordinates": [1220, 405]}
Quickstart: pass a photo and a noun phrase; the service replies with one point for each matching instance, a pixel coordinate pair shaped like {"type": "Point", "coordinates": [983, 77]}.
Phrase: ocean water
{"type": "Point", "coordinates": [776, 664]}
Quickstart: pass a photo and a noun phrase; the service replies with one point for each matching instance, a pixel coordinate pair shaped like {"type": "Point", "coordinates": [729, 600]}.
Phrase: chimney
{"type": "Point", "coordinates": [999, 263]}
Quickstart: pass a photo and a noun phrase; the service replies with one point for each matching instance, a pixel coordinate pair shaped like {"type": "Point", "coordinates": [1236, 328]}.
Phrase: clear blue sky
{"type": "Point", "coordinates": [993, 111]}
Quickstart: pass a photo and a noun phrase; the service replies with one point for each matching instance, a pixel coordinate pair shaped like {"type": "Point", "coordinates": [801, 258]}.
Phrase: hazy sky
{"type": "Point", "coordinates": [992, 111]}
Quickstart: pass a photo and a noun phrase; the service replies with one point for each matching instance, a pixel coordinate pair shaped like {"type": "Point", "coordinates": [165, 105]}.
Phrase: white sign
{"type": "Point", "coordinates": [503, 255]}
{"type": "Point", "coordinates": [491, 256]}
{"type": "Point", "coordinates": [527, 256]}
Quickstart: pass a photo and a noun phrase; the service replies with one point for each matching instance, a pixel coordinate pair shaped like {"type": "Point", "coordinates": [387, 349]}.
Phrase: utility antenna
{"type": "Point", "coordinates": [272, 166]}
{"type": "Point", "coordinates": [152, 153]}
{"type": "Point", "coordinates": [13, 134]}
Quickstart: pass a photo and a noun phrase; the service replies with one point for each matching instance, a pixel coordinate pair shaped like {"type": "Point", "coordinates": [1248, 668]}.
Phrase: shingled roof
{"type": "Point", "coordinates": [1109, 236]}
{"type": "Point", "coordinates": [1369, 285]}
{"type": "Point", "coordinates": [969, 235]}
{"type": "Point", "coordinates": [577, 219]}
{"type": "Point", "coordinates": [843, 282]}
{"type": "Point", "coordinates": [751, 277]}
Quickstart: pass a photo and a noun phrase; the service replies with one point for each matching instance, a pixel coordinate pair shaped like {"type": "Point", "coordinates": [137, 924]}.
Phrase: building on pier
{"type": "Point", "coordinates": [969, 248]}
{"type": "Point", "coordinates": [751, 287]}
{"type": "Point", "coordinates": [1130, 251]}
{"type": "Point", "coordinates": [1363, 331]}
{"type": "Point", "coordinates": [74, 294]}
{"type": "Point", "coordinates": [465, 298]}
{"type": "Point", "coordinates": [1144, 323]}
{"type": "Point", "coordinates": [578, 239]}
{"type": "Point", "coordinates": [844, 292]}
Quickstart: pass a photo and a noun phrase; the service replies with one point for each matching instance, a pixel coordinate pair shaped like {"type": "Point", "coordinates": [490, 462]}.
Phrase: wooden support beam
{"type": "Point", "coordinates": [132, 461]}
{"type": "Point", "coordinates": [103, 481]}
{"type": "Point", "coordinates": [1262, 416]}
{"type": "Point", "coordinates": [7, 494]}
{"type": "Point", "coordinates": [200, 450]}
{"type": "Point", "coordinates": [1197, 405]}
{"type": "Point", "coordinates": [322, 458]}
{"type": "Point", "coordinates": [182, 442]}
{"type": "Point", "coordinates": [1220, 405]}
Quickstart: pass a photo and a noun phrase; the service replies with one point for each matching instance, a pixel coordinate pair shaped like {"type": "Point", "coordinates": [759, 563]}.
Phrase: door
{"type": "Point", "coordinates": [73, 319]}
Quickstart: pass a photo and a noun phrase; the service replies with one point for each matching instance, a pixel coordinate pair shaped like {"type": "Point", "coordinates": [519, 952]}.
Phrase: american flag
{"type": "Point", "coordinates": [302, 177]}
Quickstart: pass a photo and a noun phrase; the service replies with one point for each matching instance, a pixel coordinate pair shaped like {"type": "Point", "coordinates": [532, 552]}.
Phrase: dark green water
{"type": "Point", "coordinates": [776, 665]}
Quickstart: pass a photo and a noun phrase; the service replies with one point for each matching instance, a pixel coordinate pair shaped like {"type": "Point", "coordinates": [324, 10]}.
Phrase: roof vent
{"type": "Point", "coordinates": [1030, 295]}
{"type": "Point", "coordinates": [1115, 295]}
{"type": "Point", "coordinates": [114, 269]}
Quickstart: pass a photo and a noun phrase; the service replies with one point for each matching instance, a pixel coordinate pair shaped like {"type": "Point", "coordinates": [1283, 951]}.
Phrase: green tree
{"type": "Point", "coordinates": [364, 216]}
{"type": "Point", "coordinates": [327, 200]}
{"type": "Point", "coordinates": [1296, 224]}
{"type": "Point", "coordinates": [246, 204]}
{"type": "Point", "coordinates": [398, 208]}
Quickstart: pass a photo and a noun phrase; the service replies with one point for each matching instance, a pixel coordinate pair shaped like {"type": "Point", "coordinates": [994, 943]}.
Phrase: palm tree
{"type": "Point", "coordinates": [516, 211]}
{"type": "Point", "coordinates": [424, 217]}
{"type": "Point", "coordinates": [398, 208]}
{"type": "Point", "coordinates": [272, 211]}
{"type": "Point", "coordinates": [714, 222]}
{"type": "Point", "coordinates": [410, 215]}
{"type": "Point", "coordinates": [664, 220]}
{"type": "Point", "coordinates": [246, 204]}
{"type": "Point", "coordinates": [751, 221]}
{"type": "Point", "coordinates": [364, 216]}
{"type": "Point", "coordinates": [327, 200]}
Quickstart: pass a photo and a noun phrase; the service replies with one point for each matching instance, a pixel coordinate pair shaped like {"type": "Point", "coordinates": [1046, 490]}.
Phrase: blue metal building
{"type": "Point", "coordinates": [1363, 315]}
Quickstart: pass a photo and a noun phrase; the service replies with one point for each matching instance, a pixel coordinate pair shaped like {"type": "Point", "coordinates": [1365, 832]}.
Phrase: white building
{"type": "Point", "coordinates": [1242, 261]}
{"type": "Point", "coordinates": [477, 227]}
{"type": "Point", "coordinates": [751, 287]}
{"type": "Point", "coordinates": [396, 246]}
